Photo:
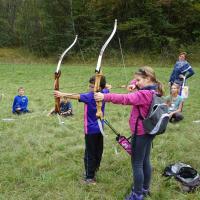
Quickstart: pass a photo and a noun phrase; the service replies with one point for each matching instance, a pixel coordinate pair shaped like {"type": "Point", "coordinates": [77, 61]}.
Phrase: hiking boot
{"type": "Point", "coordinates": [135, 196]}
{"type": "Point", "coordinates": [90, 181]}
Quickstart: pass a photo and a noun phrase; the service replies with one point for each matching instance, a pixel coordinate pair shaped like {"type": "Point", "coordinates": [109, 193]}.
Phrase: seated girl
{"type": "Point", "coordinates": [175, 103]}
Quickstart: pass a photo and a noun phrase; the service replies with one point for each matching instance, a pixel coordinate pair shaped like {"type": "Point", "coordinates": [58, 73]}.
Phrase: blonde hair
{"type": "Point", "coordinates": [177, 87]}
{"type": "Point", "coordinates": [147, 71]}
{"type": "Point", "coordinates": [20, 88]}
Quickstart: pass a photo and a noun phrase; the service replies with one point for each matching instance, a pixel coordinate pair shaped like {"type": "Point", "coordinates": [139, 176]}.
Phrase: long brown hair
{"type": "Point", "coordinates": [177, 87]}
{"type": "Point", "coordinates": [147, 71]}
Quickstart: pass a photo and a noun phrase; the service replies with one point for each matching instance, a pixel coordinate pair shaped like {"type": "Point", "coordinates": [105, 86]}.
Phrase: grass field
{"type": "Point", "coordinates": [41, 159]}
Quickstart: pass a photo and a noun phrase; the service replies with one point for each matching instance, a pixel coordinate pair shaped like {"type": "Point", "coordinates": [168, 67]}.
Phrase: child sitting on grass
{"type": "Point", "coordinates": [20, 102]}
{"type": "Point", "coordinates": [65, 108]}
{"type": "Point", "coordinates": [175, 103]}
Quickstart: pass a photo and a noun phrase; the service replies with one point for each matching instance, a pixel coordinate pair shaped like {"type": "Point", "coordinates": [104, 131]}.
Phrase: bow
{"type": "Point", "coordinates": [58, 74]}
{"type": "Point", "coordinates": [98, 75]}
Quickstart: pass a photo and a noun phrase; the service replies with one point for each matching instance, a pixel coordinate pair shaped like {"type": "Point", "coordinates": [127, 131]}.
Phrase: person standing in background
{"type": "Point", "coordinates": [182, 70]}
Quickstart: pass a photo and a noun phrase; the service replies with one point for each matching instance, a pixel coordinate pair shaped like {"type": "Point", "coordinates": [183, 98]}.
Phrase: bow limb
{"type": "Point", "coordinates": [98, 67]}
{"type": "Point", "coordinates": [58, 74]}
{"type": "Point", "coordinates": [99, 73]}
{"type": "Point", "coordinates": [63, 54]}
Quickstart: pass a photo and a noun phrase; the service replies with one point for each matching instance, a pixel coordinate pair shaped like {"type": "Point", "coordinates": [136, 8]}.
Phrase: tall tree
{"type": "Point", "coordinates": [45, 27]}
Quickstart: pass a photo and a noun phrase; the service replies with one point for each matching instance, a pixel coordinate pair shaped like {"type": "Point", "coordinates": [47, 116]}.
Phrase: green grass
{"type": "Point", "coordinates": [41, 159]}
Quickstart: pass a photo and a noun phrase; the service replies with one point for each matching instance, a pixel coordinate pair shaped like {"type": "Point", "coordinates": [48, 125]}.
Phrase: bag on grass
{"type": "Point", "coordinates": [185, 174]}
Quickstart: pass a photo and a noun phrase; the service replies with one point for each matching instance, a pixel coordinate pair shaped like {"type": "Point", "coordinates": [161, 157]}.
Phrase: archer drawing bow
{"type": "Point", "coordinates": [58, 74]}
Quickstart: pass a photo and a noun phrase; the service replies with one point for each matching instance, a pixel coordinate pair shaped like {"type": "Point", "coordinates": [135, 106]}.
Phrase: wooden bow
{"type": "Point", "coordinates": [58, 74]}
{"type": "Point", "coordinates": [98, 71]}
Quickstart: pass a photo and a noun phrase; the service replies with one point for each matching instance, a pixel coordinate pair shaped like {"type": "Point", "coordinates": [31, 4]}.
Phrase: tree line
{"type": "Point", "coordinates": [46, 27]}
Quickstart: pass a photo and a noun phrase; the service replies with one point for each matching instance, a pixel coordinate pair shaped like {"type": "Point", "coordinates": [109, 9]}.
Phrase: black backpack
{"type": "Point", "coordinates": [185, 174]}
{"type": "Point", "coordinates": [157, 118]}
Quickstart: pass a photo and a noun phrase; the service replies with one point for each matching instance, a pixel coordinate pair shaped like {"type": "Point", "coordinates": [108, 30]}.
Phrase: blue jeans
{"type": "Point", "coordinates": [141, 148]}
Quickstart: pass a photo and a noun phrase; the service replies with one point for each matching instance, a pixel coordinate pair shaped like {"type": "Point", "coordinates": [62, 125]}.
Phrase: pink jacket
{"type": "Point", "coordinates": [141, 99]}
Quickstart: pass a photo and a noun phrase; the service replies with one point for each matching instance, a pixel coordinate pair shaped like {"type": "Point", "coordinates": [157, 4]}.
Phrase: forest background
{"type": "Point", "coordinates": [154, 27]}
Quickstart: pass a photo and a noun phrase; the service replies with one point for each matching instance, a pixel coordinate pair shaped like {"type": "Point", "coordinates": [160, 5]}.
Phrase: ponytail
{"type": "Point", "coordinates": [160, 88]}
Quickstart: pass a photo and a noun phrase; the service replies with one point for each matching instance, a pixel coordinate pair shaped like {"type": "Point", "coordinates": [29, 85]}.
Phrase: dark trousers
{"type": "Point", "coordinates": [176, 117]}
{"type": "Point", "coordinates": [141, 148]}
{"type": "Point", "coordinates": [93, 154]}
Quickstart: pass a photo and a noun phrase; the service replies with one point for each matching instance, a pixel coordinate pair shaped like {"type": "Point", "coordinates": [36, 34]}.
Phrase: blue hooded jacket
{"type": "Point", "coordinates": [20, 102]}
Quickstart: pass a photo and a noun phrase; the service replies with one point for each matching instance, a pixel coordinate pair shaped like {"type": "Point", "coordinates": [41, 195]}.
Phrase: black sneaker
{"type": "Point", "coordinates": [90, 181]}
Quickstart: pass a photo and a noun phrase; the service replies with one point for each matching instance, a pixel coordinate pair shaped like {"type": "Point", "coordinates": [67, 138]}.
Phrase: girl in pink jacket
{"type": "Point", "coordinates": [147, 83]}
